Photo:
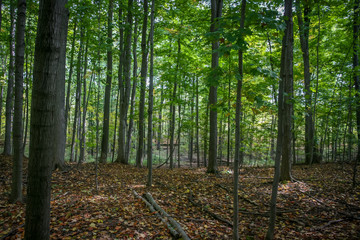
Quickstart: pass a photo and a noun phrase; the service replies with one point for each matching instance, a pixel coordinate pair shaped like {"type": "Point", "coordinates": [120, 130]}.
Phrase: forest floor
{"type": "Point", "coordinates": [320, 205]}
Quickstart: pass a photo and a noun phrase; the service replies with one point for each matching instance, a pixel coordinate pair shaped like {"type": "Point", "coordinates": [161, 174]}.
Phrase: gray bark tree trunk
{"type": "Point", "coordinates": [16, 188]}
{"type": "Point", "coordinates": [216, 10]}
{"type": "Point", "coordinates": [286, 75]}
{"type": "Point", "coordinates": [49, 51]}
{"type": "Point", "coordinates": [106, 120]}
{"type": "Point", "coordinates": [10, 87]}
{"type": "Point", "coordinates": [238, 132]}
{"type": "Point", "coordinates": [144, 67]}
{"type": "Point", "coordinates": [151, 97]}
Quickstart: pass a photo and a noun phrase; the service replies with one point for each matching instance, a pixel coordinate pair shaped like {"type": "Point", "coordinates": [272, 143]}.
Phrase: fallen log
{"type": "Point", "coordinates": [167, 216]}
{"type": "Point", "coordinates": [191, 199]}
{"type": "Point", "coordinates": [173, 232]}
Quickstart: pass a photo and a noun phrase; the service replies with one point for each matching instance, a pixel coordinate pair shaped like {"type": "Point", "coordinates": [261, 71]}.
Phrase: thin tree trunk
{"type": "Point", "coordinates": [9, 95]}
{"type": "Point", "coordinates": [206, 134]}
{"type": "Point", "coordinates": [357, 84]}
{"type": "Point", "coordinates": [179, 129]}
{"type": "Point", "coordinates": [67, 101]}
{"type": "Point", "coordinates": [285, 76]}
{"type": "Point", "coordinates": [106, 121]}
{"type": "Point", "coordinates": [238, 132]}
{"type": "Point", "coordinates": [197, 123]}
{"type": "Point", "coordinates": [191, 135]}
{"type": "Point", "coordinates": [16, 187]}
{"type": "Point", "coordinates": [151, 90]}
{"type": "Point", "coordinates": [77, 97]}
{"type": "Point", "coordinates": [133, 94]}
{"type": "Point", "coordinates": [144, 66]}
{"type": "Point", "coordinates": [49, 60]}
{"type": "Point", "coordinates": [216, 10]}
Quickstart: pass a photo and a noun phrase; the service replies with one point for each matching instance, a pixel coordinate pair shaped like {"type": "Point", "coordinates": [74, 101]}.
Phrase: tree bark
{"type": "Point", "coordinates": [49, 51]}
{"type": "Point", "coordinates": [144, 66]}
{"type": "Point", "coordinates": [125, 91]}
{"type": "Point", "coordinates": [106, 120]}
{"type": "Point", "coordinates": [9, 94]}
{"type": "Point", "coordinates": [238, 132]}
{"type": "Point", "coordinates": [357, 83]}
{"type": "Point", "coordinates": [151, 92]}
{"type": "Point", "coordinates": [197, 123]}
{"type": "Point", "coordinates": [285, 75]}
{"type": "Point", "coordinates": [16, 188]}
{"type": "Point", "coordinates": [216, 10]}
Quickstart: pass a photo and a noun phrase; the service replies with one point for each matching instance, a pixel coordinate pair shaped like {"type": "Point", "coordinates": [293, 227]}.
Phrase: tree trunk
{"type": "Point", "coordinates": [49, 51]}
{"type": "Point", "coordinates": [133, 94]}
{"type": "Point", "coordinates": [77, 97]}
{"type": "Point", "coordinates": [106, 121]}
{"type": "Point", "coordinates": [216, 10]}
{"type": "Point", "coordinates": [286, 75]}
{"type": "Point", "coordinates": [179, 129]}
{"type": "Point", "coordinates": [197, 124]}
{"type": "Point", "coordinates": [151, 92]}
{"type": "Point", "coordinates": [238, 132]}
{"type": "Point", "coordinates": [144, 66]}
{"type": "Point", "coordinates": [125, 91]}
{"type": "Point", "coordinates": [67, 101]}
{"type": "Point", "coordinates": [304, 26]}
{"type": "Point", "coordinates": [16, 188]}
{"type": "Point", "coordinates": [357, 84]}
{"type": "Point", "coordinates": [9, 94]}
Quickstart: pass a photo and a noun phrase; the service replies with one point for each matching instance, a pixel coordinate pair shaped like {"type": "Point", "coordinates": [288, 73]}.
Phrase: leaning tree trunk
{"type": "Point", "coordinates": [106, 121]}
{"type": "Point", "coordinates": [49, 51]}
{"type": "Point", "coordinates": [9, 94]}
{"type": "Point", "coordinates": [144, 66]}
{"type": "Point", "coordinates": [16, 188]}
{"type": "Point", "coordinates": [216, 10]}
{"type": "Point", "coordinates": [286, 76]}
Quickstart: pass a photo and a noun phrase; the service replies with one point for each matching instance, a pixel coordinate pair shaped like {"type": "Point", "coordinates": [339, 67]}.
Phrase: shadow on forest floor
{"type": "Point", "coordinates": [320, 205]}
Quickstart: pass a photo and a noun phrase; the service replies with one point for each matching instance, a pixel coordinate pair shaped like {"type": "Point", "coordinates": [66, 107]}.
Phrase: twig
{"type": "Point", "coordinates": [12, 232]}
{"type": "Point", "coordinates": [327, 224]}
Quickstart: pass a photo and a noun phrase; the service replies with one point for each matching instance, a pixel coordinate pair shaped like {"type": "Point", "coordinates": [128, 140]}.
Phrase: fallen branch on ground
{"type": "Point", "coordinates": [12, 232]}
{"type": "Point", "coordinates": [173, 232]}
{"type": "Point", "coordinates": [167, 216]}
{"type": "Point", "coordinates": [240, 196]}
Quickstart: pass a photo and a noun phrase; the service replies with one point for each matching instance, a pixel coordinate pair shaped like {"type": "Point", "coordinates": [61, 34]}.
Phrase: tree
{"type": "Point", "coordinates": [238, 134]}
{"type": "Point", "coordinates": [216, 10]}
{"type": "Point", "coordinates": [106, 120]}
{"type": "Point", "coordinates": [49, 48]}
{"type": "Point", "coordinates": [286, 76]}
{"type": "Point", "coordinates": [144, 67]}
{"type": "Point", "coordinates": [16, 189]}
{"type": "Point", "coordinates": [9, 94]}
{"type": "Point", "coordinates": [151, 92]}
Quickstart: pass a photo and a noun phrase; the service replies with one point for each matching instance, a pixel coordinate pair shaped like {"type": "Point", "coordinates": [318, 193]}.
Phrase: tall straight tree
{"type": "Point", "coordinates": [216, 11]}
{"type": "Point", "coordinates": [144, 67]}
{"type": "Point", "coordinates": [16, 188]}
{"type": "Point", "coordinates": [287, 88]}
{"type": "Point", "coordinates": [356, 81]}
{"type": "Point", "coordinates": [106, 121]}
{"type": "Point", "coordinates": [151, 89]}
{"type": "Point", "coordinates": [49, 49]}
{"type": "Point", "coordinates": [304, 25]}
{"type": "Point", "coordinates": [9, 94]}
{"type": "Point", "coordinates": [238, 132]}
{"type": "Point", "coordinates": [125, 87]}
{"type": "Point", "coordinates": [286, 76]}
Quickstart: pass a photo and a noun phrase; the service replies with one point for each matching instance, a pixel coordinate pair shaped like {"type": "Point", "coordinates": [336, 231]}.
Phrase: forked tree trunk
{"type": "Point", "coordinates": [49, 59]}
{"type": "Point", "coordinates": [286, 75]}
